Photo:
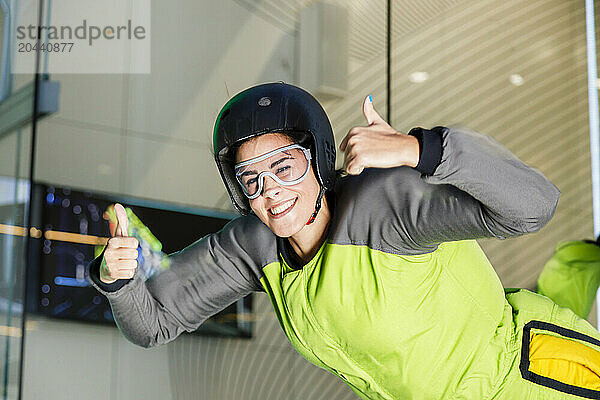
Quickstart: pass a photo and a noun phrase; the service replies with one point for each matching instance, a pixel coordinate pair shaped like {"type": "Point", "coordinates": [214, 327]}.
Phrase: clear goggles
{"type": "Point", "coordinates": [287, 166]}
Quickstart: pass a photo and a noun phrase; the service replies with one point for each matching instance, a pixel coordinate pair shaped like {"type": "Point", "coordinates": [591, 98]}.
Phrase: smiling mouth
{"type": "Point", "coordinates": [282, 209]}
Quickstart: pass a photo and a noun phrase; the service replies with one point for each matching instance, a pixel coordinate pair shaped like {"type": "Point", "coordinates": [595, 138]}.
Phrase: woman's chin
{"type": "Point", "coordinates": [284, 229]}
{"type": "Point", "coordinates": [283, 232]}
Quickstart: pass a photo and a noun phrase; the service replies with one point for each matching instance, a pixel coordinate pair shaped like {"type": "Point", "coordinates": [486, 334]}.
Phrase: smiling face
{"type": "Point", "coordinates": [284, 209]}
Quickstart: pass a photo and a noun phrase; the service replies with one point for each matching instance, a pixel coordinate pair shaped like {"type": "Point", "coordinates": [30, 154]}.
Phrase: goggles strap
{"type": "Point", "coordinates": [317, 206]}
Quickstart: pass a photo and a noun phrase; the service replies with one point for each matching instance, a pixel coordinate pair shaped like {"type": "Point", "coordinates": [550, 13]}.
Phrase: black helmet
{"type": "Point", "coordinates": [272, 107]}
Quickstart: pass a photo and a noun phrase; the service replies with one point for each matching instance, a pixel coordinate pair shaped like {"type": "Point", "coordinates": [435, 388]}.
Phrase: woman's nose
{"type": "Point", "coordinates": [270, 187]}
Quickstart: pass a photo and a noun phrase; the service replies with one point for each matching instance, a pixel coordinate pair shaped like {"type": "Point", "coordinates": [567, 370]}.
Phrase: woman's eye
{"type": "Point", "coordinates": [282, 169]}
{"type": "Point", "coordinates": [251, 181]}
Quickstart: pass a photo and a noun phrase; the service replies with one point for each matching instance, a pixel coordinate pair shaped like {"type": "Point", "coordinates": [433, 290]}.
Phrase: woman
{"type": "Point", "coordinates": [374, 276]}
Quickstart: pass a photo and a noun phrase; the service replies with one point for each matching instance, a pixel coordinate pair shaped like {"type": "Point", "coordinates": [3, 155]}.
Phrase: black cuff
{"type": "Point", "coordinates": [94, 272]}
{"type": "Point", "coordinates": [430, 148]}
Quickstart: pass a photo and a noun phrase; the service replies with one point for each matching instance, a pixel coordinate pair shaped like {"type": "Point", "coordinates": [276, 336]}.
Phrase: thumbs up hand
{"type": "Point", "coordinates": [120, 256]}
{"type": "Point", "coordinates": [377, 145]}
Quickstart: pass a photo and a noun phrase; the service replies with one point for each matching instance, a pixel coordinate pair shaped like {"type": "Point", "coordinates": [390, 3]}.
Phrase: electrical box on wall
{"type": "Point", "coordinates": [323, 49]}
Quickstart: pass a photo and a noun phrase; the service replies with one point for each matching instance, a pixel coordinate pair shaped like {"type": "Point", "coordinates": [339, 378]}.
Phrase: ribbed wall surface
{"type": "Point", "coordinates": [367, 19]}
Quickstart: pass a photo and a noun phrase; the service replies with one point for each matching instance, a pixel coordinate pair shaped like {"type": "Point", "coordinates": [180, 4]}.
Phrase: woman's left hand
{"type": "Point", "coordinates": [377, 145]}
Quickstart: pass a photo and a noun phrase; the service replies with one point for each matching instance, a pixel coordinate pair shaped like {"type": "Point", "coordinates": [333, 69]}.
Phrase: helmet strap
{"type": "Point", "coordinates": [317, 206]}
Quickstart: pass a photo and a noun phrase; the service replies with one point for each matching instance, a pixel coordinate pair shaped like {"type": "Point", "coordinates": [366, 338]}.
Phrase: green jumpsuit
{"type": "Point", "coordinates": [400, 301]}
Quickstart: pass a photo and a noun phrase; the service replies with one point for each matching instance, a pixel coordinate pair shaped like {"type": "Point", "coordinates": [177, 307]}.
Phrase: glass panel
{"type": "Point", "coordinates": [14, 13]}
{"type": "Point", "coordinates": [15, 148]}
{"type": "Point", "coordinates": [14, 200]}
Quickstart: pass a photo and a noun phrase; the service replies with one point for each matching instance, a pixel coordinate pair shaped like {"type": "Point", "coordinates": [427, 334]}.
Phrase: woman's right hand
{"type": "Point", "coordinates": [120, 256]}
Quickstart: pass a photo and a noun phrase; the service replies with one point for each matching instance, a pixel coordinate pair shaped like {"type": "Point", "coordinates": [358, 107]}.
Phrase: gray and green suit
{"type": "Point", "coordinates": [400, 301]}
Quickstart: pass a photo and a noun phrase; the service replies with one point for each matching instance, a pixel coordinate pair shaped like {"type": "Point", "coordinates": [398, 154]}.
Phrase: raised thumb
{"type": "Point", "coordinates": [122, 221]}
{"type": "Point", "coordinates": [369, 112]}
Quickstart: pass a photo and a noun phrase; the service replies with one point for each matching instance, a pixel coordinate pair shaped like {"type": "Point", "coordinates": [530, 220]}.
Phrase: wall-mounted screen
{"type": "Point", "coordinates": [72, 228]}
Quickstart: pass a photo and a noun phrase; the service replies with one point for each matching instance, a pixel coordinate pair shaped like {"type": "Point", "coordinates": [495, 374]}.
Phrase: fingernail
{"type": "Point", "coordinates": [371, 98]}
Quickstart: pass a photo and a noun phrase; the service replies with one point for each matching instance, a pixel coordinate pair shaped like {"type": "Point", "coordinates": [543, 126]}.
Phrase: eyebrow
{"type": "Point", "coordinates": [282, 159]}
{"type": "Point", "coordinates": [246, 173]}
{"type": "Point", "coordinates": [274, 163]}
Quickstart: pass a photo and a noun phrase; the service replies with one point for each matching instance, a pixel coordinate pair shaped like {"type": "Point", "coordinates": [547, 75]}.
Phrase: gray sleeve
{"type": "Point", "coordinates": [201, 280]}
{"type": "Point", "coordinates": [512, 197]}
{"type": "Point", "coordinates": [479, 189]}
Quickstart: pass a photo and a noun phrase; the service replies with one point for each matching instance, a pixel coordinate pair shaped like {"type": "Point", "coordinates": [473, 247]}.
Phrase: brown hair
{"type": "Point", "coordinates": [298, 137]}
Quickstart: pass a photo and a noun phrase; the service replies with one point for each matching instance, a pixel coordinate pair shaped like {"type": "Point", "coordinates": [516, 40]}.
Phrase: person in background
{"type": "Point", "coordinates": [572, 275]}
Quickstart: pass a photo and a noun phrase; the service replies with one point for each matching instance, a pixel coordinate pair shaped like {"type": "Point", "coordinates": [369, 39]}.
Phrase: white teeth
{"type": "Point", "coordinates": [281, 208]}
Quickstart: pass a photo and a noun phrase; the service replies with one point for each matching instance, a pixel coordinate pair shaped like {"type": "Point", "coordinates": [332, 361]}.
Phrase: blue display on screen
{"type": "Point", "coordinates": [60, 286]}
